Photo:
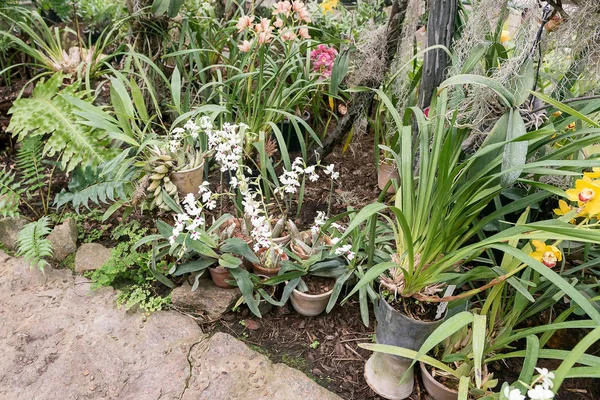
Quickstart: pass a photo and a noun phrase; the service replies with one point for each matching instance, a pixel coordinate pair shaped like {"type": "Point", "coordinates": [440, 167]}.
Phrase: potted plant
{"type": "Point", "coordinates": [178, 166]}
{"type": "Point", "coordinates": [433, 217]}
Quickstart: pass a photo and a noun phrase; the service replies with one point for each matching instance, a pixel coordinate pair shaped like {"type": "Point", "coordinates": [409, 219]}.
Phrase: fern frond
{"type": "Point", "coordinates": [32, 243]}
{"type": "Point", "coordinates": [29, 164]}
{"type": "Point", "coordinates": [88, 185]}
{"type": "Point", "coordinates": [10, 194]}
{"type": "Point", "coordinates": [47, 112]}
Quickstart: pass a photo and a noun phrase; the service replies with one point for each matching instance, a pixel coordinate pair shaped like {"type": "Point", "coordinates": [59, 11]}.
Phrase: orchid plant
{"type": "Point", "coordinates": [272, 78]}
{"type": "Point", "coordinates": [437, 209]}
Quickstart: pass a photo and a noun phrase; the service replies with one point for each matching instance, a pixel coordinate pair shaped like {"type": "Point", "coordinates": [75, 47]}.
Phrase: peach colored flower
{"type": "Point", "coordinates": [288, 35]}
{"type": "Point", "coordinates": [245, 46]}
{"type": "Point", "coordinates": [243, 23]}
{"type": "Point", "coordinates": [304, 15]}
{"type": "Point", "coordinates": [282, 7]}
{"type": "Point", "coordinates": [263, 26]}
{"type": "Point", "coordinates": [265, 37]}
{"type": "Point", "coordinates": [303, 33]}
{"type": "Point", "coordinates": [278, 23]}
{"type": "Point", "coordinates": [297, 6]}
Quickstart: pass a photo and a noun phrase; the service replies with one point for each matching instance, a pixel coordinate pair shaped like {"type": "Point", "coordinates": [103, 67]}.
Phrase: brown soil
{"type": "Point", "coordinates": [318, 285]}
{"type": "Point", "coordinates": [420, 311]}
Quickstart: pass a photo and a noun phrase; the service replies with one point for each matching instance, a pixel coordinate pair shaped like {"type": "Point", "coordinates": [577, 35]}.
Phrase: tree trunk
{"type": "Point", "coordinates": [361, 101]}
{"type": "Point", "coordinates": [440, 30]}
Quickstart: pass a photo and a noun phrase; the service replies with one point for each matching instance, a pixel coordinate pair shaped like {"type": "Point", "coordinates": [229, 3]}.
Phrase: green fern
{"type": "Point", "coordinates": [110, 182]}
{"type": "Point", "coordinates": [29, 165]}
{"type": "Point", "coordinates": [10, 193]}
{"type": "Point", "coordinates": [32, 243]}
{"type": "Point", "coordinates": [48, 112]}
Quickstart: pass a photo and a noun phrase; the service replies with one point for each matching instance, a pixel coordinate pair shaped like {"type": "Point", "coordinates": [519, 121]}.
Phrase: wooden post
{"type": "Point", "coordinates": [440, 30]}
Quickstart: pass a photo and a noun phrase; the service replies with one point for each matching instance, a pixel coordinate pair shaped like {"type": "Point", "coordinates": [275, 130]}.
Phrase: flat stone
{"type": "Point", "coordinates": [91, 256]}
{"type": "Point", "coordinates": [60, 340]}
{"type": "Point", "coordinates": [225, 368]}
{"type": "Point", "coordinates": [9, 229]}
{"type": "Point", "coordinates": [208, 299]}
{"type": "Point", "coordinates": [64, 239]}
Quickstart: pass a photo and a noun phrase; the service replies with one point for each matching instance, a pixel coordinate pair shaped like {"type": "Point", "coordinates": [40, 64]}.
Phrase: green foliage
{"type": "Point", "coordinates": [10, 192]}
{"type": "Point", "coordinates": [88, 184]}
{"type": "Point", "coordinates": [31, 179]}
{"type": "Point", "coordinates": [126, 264]}
{"type": "Point", "coordinates": [48, 113]}
{"type": "Point", "coordinates": [143, 297]}
{"type": "Point", "coordinates": [32, 243]}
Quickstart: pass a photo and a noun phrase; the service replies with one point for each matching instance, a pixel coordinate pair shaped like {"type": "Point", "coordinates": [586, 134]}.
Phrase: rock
{"type": "Point", "coordinates": [91, 256]}
{"type": "Point", "coordinates": [60, 341]}
{"type": "Point", "coordinates": [225, 368]}
{"type": "Point", "coordinates": [64, 239]}
{"type": "Point", "coordinates": [9, 229]}
{"type": "Point", "coordinates": [64, 334]}
{"type": "Point", "coordinates": [208, 299]}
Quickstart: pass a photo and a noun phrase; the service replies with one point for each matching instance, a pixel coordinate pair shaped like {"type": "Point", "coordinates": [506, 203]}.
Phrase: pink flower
{"type": "Point", "coordinates": [265, 37]}
{"type": "Point", "coordinates": [323, 58]}
{"type": "Point", "coordinates": [297, 6]}
{"type": "Point", "coordinates": [426, 112]}
{"type": "Point", "coordinates": [243, 23]}
{"type": "Point", "coordinates": [304, 15]}
{"type": "Point", "coordinates": [245, 46]}
{"type": "Point", "coordinates": [288, 35]}
{"type": "Point", "coordinates": [303, 33]}
{"type": "Point", "coordinates": [278, 23]}
{"type": "Point", "coordinates": [263, 26]}
{"type": "Point", "coordinates": [282, 7]}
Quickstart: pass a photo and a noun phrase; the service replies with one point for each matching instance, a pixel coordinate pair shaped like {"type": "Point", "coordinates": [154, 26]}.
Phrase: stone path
{"type": "Point", "coordinates": [60, 341]}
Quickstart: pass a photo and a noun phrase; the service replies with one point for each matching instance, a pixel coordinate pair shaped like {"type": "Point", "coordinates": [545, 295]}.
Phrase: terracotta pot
{"type": "Point", "coordinates": [219, 275]}
{"type": "Point", "coordinates": [259, 269]}
{"type": "Point", "coordinates": [387, 172]}
{"type": "Point", "coordinates": [189, 180]}
{"type": "Point", "coordinates": [435, 389]}
{"type": "Point", "coordinates": [265, 271]}
{"type": "Point", "coordinates": [310, 305]}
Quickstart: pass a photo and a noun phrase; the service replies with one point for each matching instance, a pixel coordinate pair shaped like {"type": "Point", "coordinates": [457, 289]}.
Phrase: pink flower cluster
{"type": "Point", "coordinates": [288, 17]}
{"type": "Point", "coordinates": [323, 58]}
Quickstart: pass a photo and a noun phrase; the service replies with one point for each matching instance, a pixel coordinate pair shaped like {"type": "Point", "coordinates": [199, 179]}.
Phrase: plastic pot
{"type": "Point", "coordinates": [189, 180]}
{"type": "Point", "coordinates": [219, 276]}
{"type": "Point", "coordinates": [436, 389]}
{"type": "Point", "coordinates": [310, 305]}
{"type": "Point", "coordinates": [386, 173]}
{"type": "Point", "coordinates": [383, 371]}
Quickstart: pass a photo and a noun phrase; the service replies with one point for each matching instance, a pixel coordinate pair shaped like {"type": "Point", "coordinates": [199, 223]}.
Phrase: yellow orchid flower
{"type": "Point", "coordinates": [563, 209]}
{"type": "Point", "coordinates": [546, 254]}
{"type": "Point", "coordinates": [587, 195]}
{"type": "Point", "coordinates": [328, 5]}
{"type": "Point", "coordinates": [571, 126]}
{"type": "Point", "coordinates": [505, 36]}
{"type": "Point", "coordinates": [595, 174]}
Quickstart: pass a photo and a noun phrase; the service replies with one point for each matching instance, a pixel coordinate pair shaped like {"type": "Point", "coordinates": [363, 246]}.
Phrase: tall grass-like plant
{"type": "Point", "coordinates": [46, 48]}
{"type": "Point", "coordinates": [437, 210]}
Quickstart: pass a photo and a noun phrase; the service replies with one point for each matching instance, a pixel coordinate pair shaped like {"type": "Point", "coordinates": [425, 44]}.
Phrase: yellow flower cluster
{"type": "Point", "coordinates": [587, 195]}
{"type": "Point", "coordinates": [328, 6]}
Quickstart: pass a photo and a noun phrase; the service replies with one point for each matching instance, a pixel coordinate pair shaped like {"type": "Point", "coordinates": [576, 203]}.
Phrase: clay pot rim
{"type": "Point", "coordinates": [413, 320]}
{"type": "Point", "coordinates": [435, 382]}
{"type": "Point", "coordinates": [311, 296]}
{"type": "Point", "coordinates": [185, 171]}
